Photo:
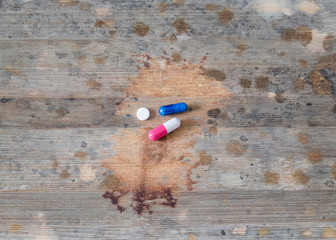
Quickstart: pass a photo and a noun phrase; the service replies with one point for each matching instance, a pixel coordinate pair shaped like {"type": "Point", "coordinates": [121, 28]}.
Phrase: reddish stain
{"type": "Point", "coordinates": [152, 173]}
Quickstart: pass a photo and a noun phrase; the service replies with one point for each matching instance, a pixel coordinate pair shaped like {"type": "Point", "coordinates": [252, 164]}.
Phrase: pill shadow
{"type": "Point", "coordinates": [152, 113]}
{"type": "Point", "coordinates": [193, 107]}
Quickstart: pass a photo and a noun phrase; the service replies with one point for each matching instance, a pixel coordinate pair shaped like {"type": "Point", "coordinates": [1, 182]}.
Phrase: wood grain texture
{"type": "Point", "coordinates": [254, 157]}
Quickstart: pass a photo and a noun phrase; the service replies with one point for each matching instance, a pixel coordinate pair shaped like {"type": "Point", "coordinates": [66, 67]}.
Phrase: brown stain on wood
{"type": "Point", "coordinates": [205, 159]}
{"type": "Point", "coordinates": [170, 39]}
{"type": "Point", "coordinates": [213, 130]}
{"type": "Point", "coordinates": [329, 43]}
{"type": "Point", "coordinates": [62, 111]}
{"type": "Point", "coordinates": [326, 62]}
{"type": "Point", "coordinates": [176, 57]}
{"type": "Point", "coordinates": [66, 3]}
{"type": "Point", "coordinates": [162, 7]}
{"type": "Point", "coordinates": [80, 154]}
{"type": "Point", "coordinates": [214, 113]}
{"type": "Point", "coordinates": [211, 7]}
{"type": "Point", "coordinates": [111, 183]}
{"type": "Point", "coordinates": [85, 6]}
{"type": "Point", "coordinates": [65, 174]}
{"type": "Point", "coordinates": [320, 85]}
{"type": "Point", "coordinates": [167, 80]}
{"type": "Point", "coordinates": [263, 232]}
{"type": "Point", "coordinates": [15, 227]}
{"type": "Point", "coordinates": [225, 16]}
{"type": "Point", "coordinates": [262, 82]}
{"type": "Point", "coordinates": [300, 177]}
{"type": "Point", "coordinates": [245, 83]}
{"type": "Point", "coordinates": [314, 156]}
{"type": "Point", "coordinates": [152, 170]}
{"type": "Point", "coordinates": [106, 23]}
{"type": "Point", "coordinates": [93, 84]}
{"type": "Point", "coordinates": [271, 177]}
{"type": "Point", "coordinates": [99, 60]}
{"type": "Point", "coordinates": [141, 29]}
{"type": "Point", "coordinates": [55, 164]}
{"type": "Point", "coordinates": [235, 148]}
{"type": "Point", "coordinates": [192, 236]}
{"type": "Point", "coordinates": [301, 33]}
{"type": "Point", "coordinates": [178, 2]}
{"type": "Point", "coordinates": [159, 170]}
{"type": "Point", "coordinates": [216, 74]}
{"type": "Point", "coordinates": [16, 72]}
{"type": "Point", "coordinates": [328, 233]}
{"type": "Point", "coordinates": [279, 98]}
{"type": "Point", "coordinates": [303, 138]}
{"type": "Point", "coordinates": [303, 63]}
{"type": "Point", "coordinates": [181, 26]}
{"type": "Point", "coordinates": [299, 84]}
{"type": "Point", "coordinates": [241, 48]}
{"type": "Point", "coordinates": [334, 171]}
{"type": "Point", "coordinates": [112, 33]}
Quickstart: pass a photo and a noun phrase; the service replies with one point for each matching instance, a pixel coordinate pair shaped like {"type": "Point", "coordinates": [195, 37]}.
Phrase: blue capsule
{"type": "Point", "coordinates": [173, 108]}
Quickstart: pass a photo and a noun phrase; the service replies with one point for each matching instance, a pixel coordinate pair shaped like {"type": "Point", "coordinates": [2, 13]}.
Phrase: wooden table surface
{"type": "Point", "coordinates": [254, 157]}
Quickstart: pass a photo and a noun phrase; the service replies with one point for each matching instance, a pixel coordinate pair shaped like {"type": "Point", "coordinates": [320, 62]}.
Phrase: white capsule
{"type": "Point", "coordinates": [143, 114]}
{"type": "Point", "coordinates": [172, 124]}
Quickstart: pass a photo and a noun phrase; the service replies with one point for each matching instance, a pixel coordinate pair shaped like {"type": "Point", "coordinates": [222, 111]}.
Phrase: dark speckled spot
{"type": "Point", "coordinates": [262, 82]}
{"type": "Point", "coordinates": [245, 83]}
{"type": "Point", "coordinates": [5, 100]}
{"type": "Point", "coordinates": [213, 112]}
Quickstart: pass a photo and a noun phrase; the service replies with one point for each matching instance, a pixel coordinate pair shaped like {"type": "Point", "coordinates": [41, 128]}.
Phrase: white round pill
{"type": "Point", "coordinates": [143, 114]}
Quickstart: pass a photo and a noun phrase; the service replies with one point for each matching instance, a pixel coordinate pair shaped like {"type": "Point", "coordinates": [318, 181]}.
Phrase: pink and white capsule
{"type": "Point", "coordinates": [164, 129]}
